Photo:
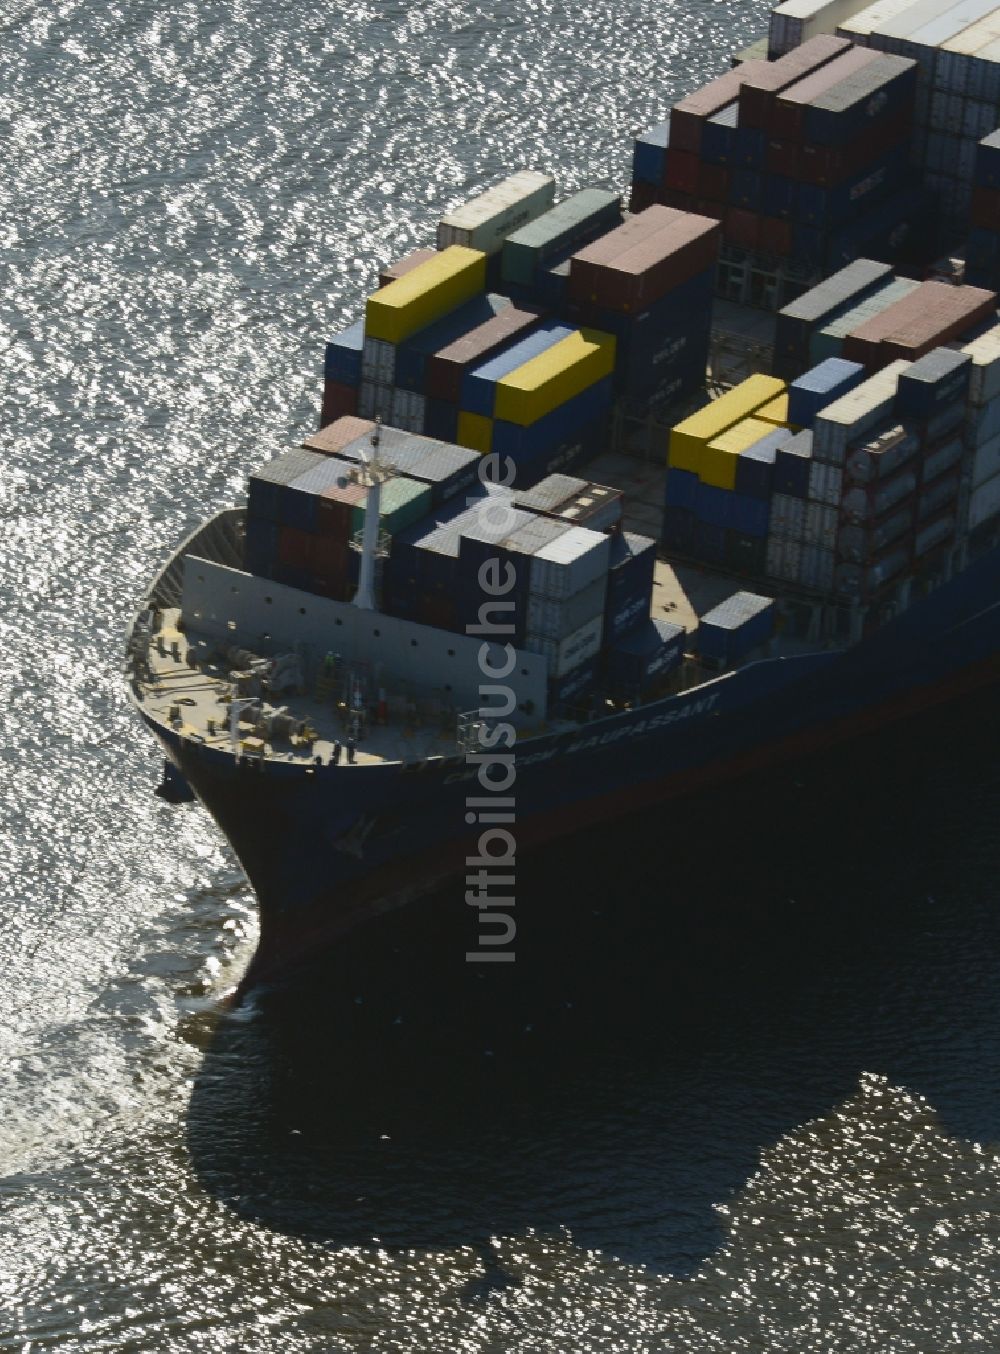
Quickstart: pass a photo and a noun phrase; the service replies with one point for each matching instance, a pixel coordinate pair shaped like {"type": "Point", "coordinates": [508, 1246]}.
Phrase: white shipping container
{"type": "Point", "coordinates": [567, 565]}
{"type": "Point", "coordinates": [378, 361]}
{"type": "Point", "coordinates": [486, 221]}
{"type": "Point", "coordinates": [860, 26]}
{"type": "Point", "coordinates": [566, 654]}
{"type": "Point", "coordinates": [796, 21]}
{"type": "Point", "coordinates": [849, 418]}
{"type": "Point", "coordinates": [555, 618]}
{"type": "Point", "coordinates": [984, 385]}
{"type": "Point", "coordinates": [408, 410]}
{"type": "Point", "coordinates": [826, 483]}
{"type": "Point", "coordinates": [375, 401]}
{"type": "Point", "coordinates": [986, 462]}
{"type": "Point", "coordinates": [820, 526]}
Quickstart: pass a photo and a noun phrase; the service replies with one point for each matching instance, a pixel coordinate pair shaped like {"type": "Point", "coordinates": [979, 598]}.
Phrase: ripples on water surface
{"type": "Point", "coordinates": [739, 1100]}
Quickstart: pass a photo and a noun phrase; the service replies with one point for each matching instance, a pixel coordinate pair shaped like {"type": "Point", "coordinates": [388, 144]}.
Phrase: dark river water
{"type": "Point", "coordinates": [741, 1091]}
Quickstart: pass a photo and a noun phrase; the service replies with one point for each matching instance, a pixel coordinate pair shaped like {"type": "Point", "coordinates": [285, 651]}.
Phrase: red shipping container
{"type": "Point", "coordinates": [338, 400]}
{"type": "Point", "coordinates": [295, 548]}
{"type": "Point", "coordinates": [689, 116]}
{"type": "Point", "coordinates": [986, 208]}
{"type": "Point", "coordinates": [789, 108]}
{"type": "Point", "coordinates": [929, 317]}
{"type": "Point", "coordinates": [405, 265]}
{"type": "Point", "coordinates": [741, 228]}
{"type": "Point", "coordinates": [631, 279]}
{"type": "Point", "coordinates": [643, 196]}
{"type": "Point", "coordinates": [445, 368]}
{"type": "Point", "coordinates": [762, 84]}
{"type": "Point", "coordinates": [709, 206]}
{"type": "Point", "coordinates": [681, 173]}
{"type": "Point", "coordinates": [329, 558]}
{"type": "Point", "coordinates": [713, 182]}
{"type": "Point", "coordinates": [775, 236]}
{"type": "Point", "coordinates": [334, 507]}
{"type": "Point", "coordinates": [783, 157]}
{"type": "Point", "coordinates": [826, 166]}
{"type": "Point", "coordinates": [677, 201]}
{"type": "Point", "coordinates": [336, 435]}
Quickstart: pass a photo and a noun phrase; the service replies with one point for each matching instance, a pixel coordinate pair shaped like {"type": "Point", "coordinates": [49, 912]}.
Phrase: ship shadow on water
{"type": "Point", "coordinates": [687, 988]}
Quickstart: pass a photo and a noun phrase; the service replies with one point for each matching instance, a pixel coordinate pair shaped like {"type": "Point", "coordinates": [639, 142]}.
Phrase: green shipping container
{"type": "Point", "coordinates": [577, 221]}
{"type": "Point", "coordinates": [404, 502]}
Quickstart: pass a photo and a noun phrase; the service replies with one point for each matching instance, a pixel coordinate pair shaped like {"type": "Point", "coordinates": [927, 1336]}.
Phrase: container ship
{"type": "Point", "coordinates": [609, 501]}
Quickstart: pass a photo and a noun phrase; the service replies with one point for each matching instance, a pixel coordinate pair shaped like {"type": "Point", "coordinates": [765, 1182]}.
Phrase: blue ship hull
{"type": "Point", "coordinates": [329, 848]}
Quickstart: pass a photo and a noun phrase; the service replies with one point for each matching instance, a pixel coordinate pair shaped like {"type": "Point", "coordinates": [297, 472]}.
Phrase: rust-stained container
{"type": "Point", "coordinates": [764, 81]}
{"type": "Point", "coordinates": [336, 436]}
{"type": "Point", "coordinates": [788, 111]}
{"type": "Point", "coordinates": [445, 368]}
{"type": "Point", "coordinates": [632, 280]}
{"type": "Point", "coordinates": [394, 271]}
{"type": "Point", "coordinates": [932, 315]}
{"type": "Point", "coordinates": [689, 116]}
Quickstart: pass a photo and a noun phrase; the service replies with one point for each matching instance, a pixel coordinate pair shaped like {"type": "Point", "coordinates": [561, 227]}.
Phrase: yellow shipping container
{"type": "Point", "coordinates": [690, 436]}
{"type": "Point", "coordinates": [719, 457]}
{"type": "Point", "coordinates": [425, 294]}
{"type": "Point", "coordinates": [475, 431]}
{"type": "Point", "coordinates": [775, 412]}
{"type": "Point", "coordinates": [545, 382]}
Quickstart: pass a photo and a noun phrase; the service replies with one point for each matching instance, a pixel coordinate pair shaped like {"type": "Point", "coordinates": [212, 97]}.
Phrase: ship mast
{"type": "Point", "coordinates": [371, 475]}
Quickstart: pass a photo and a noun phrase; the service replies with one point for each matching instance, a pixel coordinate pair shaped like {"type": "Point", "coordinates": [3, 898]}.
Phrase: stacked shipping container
{"type": "Point", "coordinates": [957, 47]}
{"type": "Point", "coordinates": [803, 160]}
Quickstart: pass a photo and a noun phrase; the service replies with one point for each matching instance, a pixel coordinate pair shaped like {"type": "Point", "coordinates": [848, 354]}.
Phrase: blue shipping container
{"type": "Point", "coordinates": [736, 626]}
{"type": "Point", "coordinates": [261, 547]}
{"type": "Point", "coordinates": [642, 658]}
{"type": "Point", "coordinates": [820, 386]}
{"type": "Point", "coordinates": [793, 464]}
{"type": "Point", "coordinates": [829, 207]}
{"type": "Point", "coordinates": [649, 159]}
{"type": "Point", "coordinates": [479, 384]}
{"type": "Point", "coordinates": [938, 379]}
{"type": "Point", "coordinates": [525, 444]}
{"type": "Point", "coordinates": [682, 489]}
{"type": "Point", "coordinates": [343, 356]}
{"type": "Point", "coordinates": [630, 583]}
{"type": "Point", "coordinates": [755, 465]}
{"type": "Point", "coordinates": [718, 137]}
{"type": "Point", "coordinates": [412, 354]}
{"type": "Point", "coordinates": [441, 420]}
{"type": "Point", "coordinates": [678, 529]}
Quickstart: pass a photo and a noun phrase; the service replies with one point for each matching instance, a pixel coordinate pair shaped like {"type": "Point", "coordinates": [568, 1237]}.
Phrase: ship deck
{"type": "Point", "coordinates": [189, 685]}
